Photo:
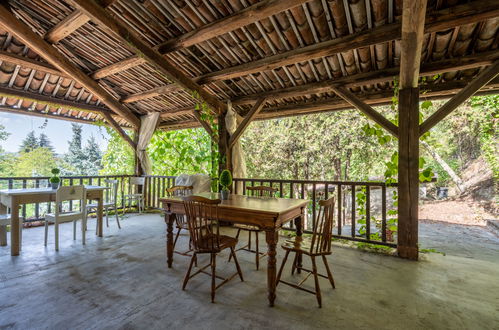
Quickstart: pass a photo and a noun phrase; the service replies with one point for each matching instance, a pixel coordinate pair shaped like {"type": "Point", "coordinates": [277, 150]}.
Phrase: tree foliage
{"type": "Point", "coordinates": [38, 162]}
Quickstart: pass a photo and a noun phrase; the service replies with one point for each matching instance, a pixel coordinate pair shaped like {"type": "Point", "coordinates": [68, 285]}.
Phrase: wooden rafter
{"type": "Point", "coordinates": [70, 24]}
{"type": "Point", "coordinates": [26, 62]}
{"type": "Point", "coordinates": [478, 82]}
{"type": "Point", "coordinates": [246, 121]}
{"type": "Point", "coordinates": [118, 67]}
{"type": "Point", "coordinates": [27, 112]}
{"type": "Point", "coordinates": [44, 49]}
{"type": "Point", "coordinates": [150, 93]}
{"type": "Point", "coordinates": [438, 21]}
{"type": "Point", "coordinates": [120, 131]}
{"type": "Point", "coordinates": [366, 109]}
{"type": "Point", "coordinates": [249, 15]}
{"type": "Point", "coordinates": [48, 100]}
{"type": "Point", "coordinates": [373, 77]}
{"type": "Point", "coordinates": [105, 21]}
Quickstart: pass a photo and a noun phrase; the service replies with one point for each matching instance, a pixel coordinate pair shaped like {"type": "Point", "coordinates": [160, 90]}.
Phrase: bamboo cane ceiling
{"type": "Point", "coordinates": [291, 56]}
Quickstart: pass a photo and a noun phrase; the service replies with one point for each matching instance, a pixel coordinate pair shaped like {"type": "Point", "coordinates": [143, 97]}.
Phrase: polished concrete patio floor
{"type": "Point", "coordinates": [121, 281]}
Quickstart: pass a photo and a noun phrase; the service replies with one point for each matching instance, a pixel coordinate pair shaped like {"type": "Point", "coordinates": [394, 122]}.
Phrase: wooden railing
{"type": "Point", "coordinates": [361, 207]}
{"type": "Point", "coordinates": [361, 211]}
{"type": "Point", "coordinates": [35, 212]}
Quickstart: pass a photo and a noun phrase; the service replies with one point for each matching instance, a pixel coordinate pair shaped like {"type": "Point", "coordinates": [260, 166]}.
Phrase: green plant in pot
{"type": "Point", "coordinates": [225, 182]}
{"type": "Point", "coordinates": [55, 180]}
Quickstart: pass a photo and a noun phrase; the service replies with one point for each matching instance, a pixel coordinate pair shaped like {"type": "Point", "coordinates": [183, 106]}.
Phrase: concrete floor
{"type": "Point", "coordinates": [121, 281]}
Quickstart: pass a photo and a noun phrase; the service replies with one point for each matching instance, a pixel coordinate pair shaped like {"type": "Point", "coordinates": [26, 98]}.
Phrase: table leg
{"type": "Point", "coordinates": [169, 219]}
{"type": "Point", "coordinates": [100, 212]}
{"type": "Point", "coordinates": [299, 232]}
{"type": "Point", "coordinates": [3, 229]}
{"type": "Point", "coordinates": [271, 236]}
{"type": "Point", "coordinates": [14, 228]}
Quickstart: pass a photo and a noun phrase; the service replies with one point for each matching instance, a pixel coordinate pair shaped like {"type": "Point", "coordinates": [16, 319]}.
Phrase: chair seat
{"type": "Point", "coordinates": [225, 242]}
{"type": "Point", "coordinates": [64, 217]}
{"type": "Point", "coordinates": [94, 206]}
{"type": "Point", "coordinates": [246, 227]}
{"type": "Point", "coordinates": [5, 219]}
{"type": "Point", "coordinates": [300, 244]}
{"type": "Point", "coordinates": [133, 196]}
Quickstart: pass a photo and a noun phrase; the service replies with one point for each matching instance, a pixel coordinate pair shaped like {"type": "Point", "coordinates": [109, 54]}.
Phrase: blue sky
{"type": "Point", "coordinates": [58, 131]}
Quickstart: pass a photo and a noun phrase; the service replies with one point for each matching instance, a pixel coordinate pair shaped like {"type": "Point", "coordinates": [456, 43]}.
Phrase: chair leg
{"type": "Point", "coordinates": [176, 238]}
{"type": "Point", "coordinates": [329, 274]}
{"type": "Point", "coordinates": [237, 238]}
{"type": "Point", "coordinates": [21, 225]}
{"type": "Point", "coordinates": [282, 267]}
{"type": "Point", "coordinates": [316, 279]}
{"type": "Point", "coordinates": [3, 235]}
{"type": "Point", "coordinates": [117, 217]}
{"type": "Point", "coordinates": [233, 252]}
{"type": "Point", "coordinates": [46, 231]}
{"type": "Point", "coordinates": [188, 274]}
{"type": "Point", "coordinates": [83, 230]}
{"type": "Point", "coordinates": [293, 267]}
{"type": "Point", "coordinates": [213, 275]}
{"type": "Point", "coordinates": [56, 225]}
{"type": "Point", "coordinates": [107, 217]}
{"type": "Point", "coordinates": [249, 239]}
{"type": "Point", "coordinates": [257, 251]}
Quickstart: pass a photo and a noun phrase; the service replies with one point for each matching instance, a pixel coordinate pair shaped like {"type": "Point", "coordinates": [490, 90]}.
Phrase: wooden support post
{"type": "Point", "coordinates": [205, 125]}
{"type": "Point", "coordinates": [225, 159]}
{"type": "Point", "coordinates": [246, 121]}
{"type": "Point", "coordinates": [413, 21]}
{"type": "Point", "coordinates": [408, 176]}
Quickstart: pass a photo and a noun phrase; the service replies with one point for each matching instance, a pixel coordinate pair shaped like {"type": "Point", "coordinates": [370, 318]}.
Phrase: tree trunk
{"type": "Point", "coordinates": [457, 180]}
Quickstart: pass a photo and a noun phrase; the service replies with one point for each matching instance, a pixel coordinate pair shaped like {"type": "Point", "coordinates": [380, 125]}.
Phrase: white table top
{"type": "Point", "coordinates": [42, 191]}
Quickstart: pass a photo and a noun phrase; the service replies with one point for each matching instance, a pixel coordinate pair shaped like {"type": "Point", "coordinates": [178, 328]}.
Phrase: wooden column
{"type": "Point", "coordinates": [223, 144]}
{"type": "Point", "coordinates": [413, 22]}
{"type": "Point", "coordinates": [408, 176]}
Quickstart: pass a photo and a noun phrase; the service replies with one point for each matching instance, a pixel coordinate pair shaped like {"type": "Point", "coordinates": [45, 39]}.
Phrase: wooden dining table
{"type": "Point", "coordinates": [13, 198]}
{"type": "Point", "coordinates": [268, 213]}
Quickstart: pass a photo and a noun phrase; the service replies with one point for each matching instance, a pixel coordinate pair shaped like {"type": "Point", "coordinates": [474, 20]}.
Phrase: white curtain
{"type": "Point", "coordinates": [233, 120]}
{"type": "Point", "coordinates": [147, 128]}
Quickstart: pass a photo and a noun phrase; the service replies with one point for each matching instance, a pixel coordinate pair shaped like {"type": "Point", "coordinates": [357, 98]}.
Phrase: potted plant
{"type": "Point", "coordinates": [225, 182]}
{"type": "Point", "coordinates": [55, 180]}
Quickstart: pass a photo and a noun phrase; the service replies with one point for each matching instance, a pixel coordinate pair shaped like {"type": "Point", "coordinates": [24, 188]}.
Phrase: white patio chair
{"type": "Point", "coordinates": [136, 183]}
{"type": "Point", "coordinates": [110, 198]}
{"type": "Point", "coordinates": [4, 222]}
{"type": "Point", "coordinates": [68, 193]}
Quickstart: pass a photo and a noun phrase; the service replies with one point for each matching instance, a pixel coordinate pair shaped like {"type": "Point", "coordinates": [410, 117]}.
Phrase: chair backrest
{"type": "Point", "coordinates": [323, 227]}
{"type": "Point", "coordinates": [202, 220]}
{"type": "Point", "coordinates": [70, 193]}
{"type": "Point", "coordinates": [179, 191]}
{"type": "Point", "coordinates": [112, 193]}
{"type": "Point", "coordinates": [136, 183]}
{"type": "Point", "coordinates": [261, 191]}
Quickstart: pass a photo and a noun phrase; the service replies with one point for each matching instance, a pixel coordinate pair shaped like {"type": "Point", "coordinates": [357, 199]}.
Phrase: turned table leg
{"type": "Point", "coordinates": [271, 237]}
{"type": "Point", "coordinates": [169, 219]}
{"type": "Point", "coordinates": [299, 232]}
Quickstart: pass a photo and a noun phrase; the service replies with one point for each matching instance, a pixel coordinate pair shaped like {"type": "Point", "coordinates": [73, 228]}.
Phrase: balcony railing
{"type": "Point", "coordinates": [362, 208]}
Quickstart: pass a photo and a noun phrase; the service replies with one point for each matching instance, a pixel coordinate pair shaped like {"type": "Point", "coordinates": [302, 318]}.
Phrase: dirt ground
{"type": "Point", "coordinates": [455, 211]}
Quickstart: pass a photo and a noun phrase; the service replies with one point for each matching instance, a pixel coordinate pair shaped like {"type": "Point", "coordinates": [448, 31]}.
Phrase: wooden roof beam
{"type": "Point", "coordinates": [118, 67]}
{"type": "Point", "coordinates": [249, 15]}
{"type": "Point", "coordinates": [373, 77]}
{"type": "Point", "coordinates": [27, 62]}
{"type": "Point", "coordinates": [205, 125]}
{"type": "Point", "coordinates": [246, 121]}
{"type": "Point", "coordinates": [468, 13]}
{"type": "Point", "coordinates": [366, 109]}
{"type": "Point", "coordinates": [478, 82]}
{"type": "Point", "coordinates": [70, 24]}
{"type": "Point", "coordinates": [150, 93]}
{"type": "Point", "coordinates": [26, 112]}
{"type": "Point", "coordinates": [130, 40]}
{"type": "Point", "coordinates": [52, 55]}
{"type": "Point", "coordinates": [120, 131]}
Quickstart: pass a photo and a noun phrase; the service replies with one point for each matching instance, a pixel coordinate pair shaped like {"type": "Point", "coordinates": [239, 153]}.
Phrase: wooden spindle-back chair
{"type": "Point", "coordinates": [317, 245]}
{"type": "Point", "coordinates": [204, 230]}
{"type": "Point", "coordinates": [257, 191]}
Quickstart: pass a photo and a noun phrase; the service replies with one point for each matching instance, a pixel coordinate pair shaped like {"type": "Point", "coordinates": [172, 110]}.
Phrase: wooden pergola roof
{"type": "Point", "coordinates": [124, 59]}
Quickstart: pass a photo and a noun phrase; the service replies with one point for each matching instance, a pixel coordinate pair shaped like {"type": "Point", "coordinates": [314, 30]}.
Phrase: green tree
{"type": "Point", "coordinates": [93, 157]}
{"type": "Point", "coordinates": [29, 143]}
{"type": "Point", "coordinates": [37, 162]}
{"type": "Point", "coordinates": [44, 142]}
{"type": "Point", "coordinates": [118, 157]}
{"type": "Point", "coordinates": [75, 157]}
{"type": "Point", "coordinates": [6, 159]}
